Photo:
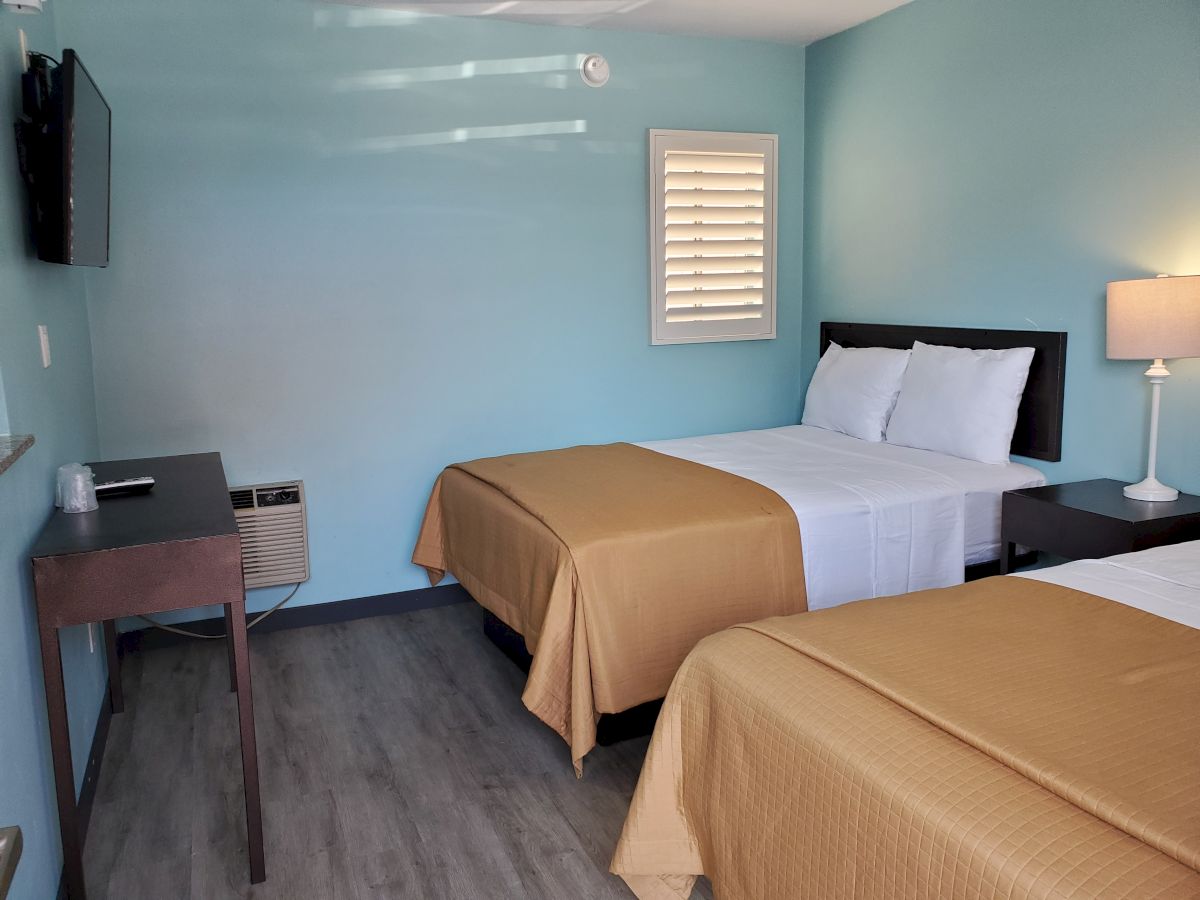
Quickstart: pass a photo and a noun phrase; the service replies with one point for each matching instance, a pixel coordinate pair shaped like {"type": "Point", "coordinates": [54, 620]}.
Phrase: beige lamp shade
{"type": "Point", "coordinates": [1154, 318]}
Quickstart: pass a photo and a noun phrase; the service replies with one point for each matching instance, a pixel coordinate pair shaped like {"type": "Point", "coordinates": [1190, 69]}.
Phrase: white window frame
{"type": "Point", "coordinates": [663, 141]}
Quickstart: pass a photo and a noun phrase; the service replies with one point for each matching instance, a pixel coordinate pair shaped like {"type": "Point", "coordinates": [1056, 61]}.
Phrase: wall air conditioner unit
{"type": "Point", "coordinates": [274, 532]}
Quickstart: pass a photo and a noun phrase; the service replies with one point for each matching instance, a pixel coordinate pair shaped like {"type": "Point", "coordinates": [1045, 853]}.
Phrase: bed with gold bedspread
{"type": "Point", "coordinates": [1005, 738]}
{"type": "Point", "coordinates": [612, 561]}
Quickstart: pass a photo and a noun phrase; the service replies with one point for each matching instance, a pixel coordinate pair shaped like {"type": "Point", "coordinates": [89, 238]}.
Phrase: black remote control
{"type": "Point", "coordinates": [139, 485]}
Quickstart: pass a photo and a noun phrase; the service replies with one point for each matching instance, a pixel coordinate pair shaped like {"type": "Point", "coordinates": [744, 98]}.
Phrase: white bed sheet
{"type": "Point", "coordinates": [1164, 581]}
{"type": "Point", "coordinates": [875, 519]}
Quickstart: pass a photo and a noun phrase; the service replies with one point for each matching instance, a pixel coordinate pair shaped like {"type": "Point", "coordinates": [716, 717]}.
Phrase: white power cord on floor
{"type": "Point", "coordinates": [218, 637]}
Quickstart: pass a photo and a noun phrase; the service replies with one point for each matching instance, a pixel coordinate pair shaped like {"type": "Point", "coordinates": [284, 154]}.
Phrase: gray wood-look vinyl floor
{"type": "Point", "coordinates": [396, 759]}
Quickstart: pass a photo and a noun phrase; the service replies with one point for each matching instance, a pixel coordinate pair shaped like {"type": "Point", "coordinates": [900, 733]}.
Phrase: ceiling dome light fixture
{"type": "Point", "coordinates": [594, 70]}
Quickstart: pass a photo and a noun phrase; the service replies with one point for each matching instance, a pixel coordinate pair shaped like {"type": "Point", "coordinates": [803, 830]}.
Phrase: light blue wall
{"type": "Point", "coordinates": [995, 164]}
{"type": "Point", "coordinates": [360, 319]}
{"type": "Point", "coordinates": [58, 406]}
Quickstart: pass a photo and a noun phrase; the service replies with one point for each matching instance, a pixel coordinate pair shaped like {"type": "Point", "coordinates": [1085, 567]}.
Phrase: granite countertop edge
{"type": "Point", "coordinates": [12, 446]}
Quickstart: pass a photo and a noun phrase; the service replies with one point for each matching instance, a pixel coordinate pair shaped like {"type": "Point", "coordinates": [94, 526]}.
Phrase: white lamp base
{"type": "Point", "coordinates": [1151, 489]}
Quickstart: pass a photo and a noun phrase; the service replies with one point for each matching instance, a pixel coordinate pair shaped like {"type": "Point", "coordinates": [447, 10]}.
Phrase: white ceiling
{"type": "Point", "coordinates": [787, 21]}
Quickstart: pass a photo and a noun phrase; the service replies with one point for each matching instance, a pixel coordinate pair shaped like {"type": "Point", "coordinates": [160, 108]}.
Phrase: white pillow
{"type": "Point", "coordinates": [854, 390]}
{"type": "Point", "coordinates": [961, 402]}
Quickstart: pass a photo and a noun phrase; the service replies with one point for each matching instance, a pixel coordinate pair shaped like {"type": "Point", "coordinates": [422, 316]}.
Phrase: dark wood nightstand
{"type": "Point", "coordinates": [1091, 519]}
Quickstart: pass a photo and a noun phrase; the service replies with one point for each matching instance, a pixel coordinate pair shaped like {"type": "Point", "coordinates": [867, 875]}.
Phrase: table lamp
{"type": "Point", "coordinates": [1158, 319]}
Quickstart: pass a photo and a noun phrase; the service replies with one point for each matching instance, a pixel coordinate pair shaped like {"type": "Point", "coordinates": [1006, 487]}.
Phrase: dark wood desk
{"type": "Point", "coordinates": [1091, 520]}
{"type": "Point", "coordinates": [176, 547]}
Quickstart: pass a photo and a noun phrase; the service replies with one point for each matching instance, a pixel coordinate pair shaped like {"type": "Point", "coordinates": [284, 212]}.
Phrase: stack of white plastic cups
{"type": "Point", "coordinates": [76, 489]}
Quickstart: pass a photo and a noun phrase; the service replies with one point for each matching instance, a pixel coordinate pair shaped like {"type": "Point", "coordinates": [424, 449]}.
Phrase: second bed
{"type": "Point", "coordinates": [1026, 736]}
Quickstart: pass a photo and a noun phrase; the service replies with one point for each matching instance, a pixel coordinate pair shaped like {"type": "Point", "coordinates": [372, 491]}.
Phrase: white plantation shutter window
{"type": "Point", "coordinates": [712, 236]}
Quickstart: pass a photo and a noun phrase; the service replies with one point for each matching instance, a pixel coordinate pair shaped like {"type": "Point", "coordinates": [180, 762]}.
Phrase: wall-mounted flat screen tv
{"type": "Point", "coordinates": [66, 140]}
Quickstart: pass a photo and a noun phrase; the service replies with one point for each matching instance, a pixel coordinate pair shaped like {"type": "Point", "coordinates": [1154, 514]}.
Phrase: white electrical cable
{"type": "Point", "coordinates": [217, 637]}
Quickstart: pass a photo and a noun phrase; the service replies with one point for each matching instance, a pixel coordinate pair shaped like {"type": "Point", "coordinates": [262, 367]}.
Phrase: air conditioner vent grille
{"type": "Point", "coordinates": [272, 521]}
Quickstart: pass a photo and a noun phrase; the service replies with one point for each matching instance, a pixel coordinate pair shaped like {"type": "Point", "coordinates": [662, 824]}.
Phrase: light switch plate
{"type": "Point", "coordinates": [44, 339]}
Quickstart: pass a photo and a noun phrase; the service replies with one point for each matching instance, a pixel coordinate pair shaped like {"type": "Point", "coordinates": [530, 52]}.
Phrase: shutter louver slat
{"type": "Point", "coordinates": [714, 313]}
{"type": "Point", "coordinates": [681, 299]}
{"type": "Point", "coordinates": [725, 215]}
{"type": "Point", "coordinates": [706, 280]}
{"type": "Point", "coordinates": [717, 231]}
{"type": "Point", "coordinates": [707, 180]}
{"type": "Point", "coordinates": [735, 163]}
{"type": "Point", "coordinates": [713, 265]}
{"type": "Point", "coordinates": [692, 249]}
{"type": "Point", "coordinates": [701, 199]}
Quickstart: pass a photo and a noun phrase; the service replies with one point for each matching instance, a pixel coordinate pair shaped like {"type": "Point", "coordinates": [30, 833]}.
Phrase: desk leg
{"type": "Point", "coordinates": [233, 682]}
{"type": "Point", "coordinates": [116, 696]}
{"type": "Point", "coordinates": [235, 614]}
{"type": "Point", "coordinates": [60, 752]}
{"type": "Point", "coordinates": [1008, 556]}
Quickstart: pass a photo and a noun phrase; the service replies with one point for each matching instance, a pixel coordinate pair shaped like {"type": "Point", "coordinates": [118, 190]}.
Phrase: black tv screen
{"type": "Point", "coordinates": [66, 142]}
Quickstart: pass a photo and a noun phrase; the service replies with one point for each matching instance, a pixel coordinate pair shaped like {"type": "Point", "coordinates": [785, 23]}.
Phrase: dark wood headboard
{"type": "Point", "coordinates": [1040, 416]}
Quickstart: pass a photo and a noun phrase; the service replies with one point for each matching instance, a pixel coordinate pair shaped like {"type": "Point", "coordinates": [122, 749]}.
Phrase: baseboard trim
{"type": "Point", "coordinates": [303, 616]}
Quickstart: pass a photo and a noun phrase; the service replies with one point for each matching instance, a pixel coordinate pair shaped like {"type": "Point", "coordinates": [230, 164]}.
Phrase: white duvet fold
{"type": "Point", "coordinates": [1164, 581]}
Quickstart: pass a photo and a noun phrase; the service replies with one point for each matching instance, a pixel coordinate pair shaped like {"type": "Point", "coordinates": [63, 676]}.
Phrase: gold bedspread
{"type": "Point", "coordinates": [612, 561]}
{"type": "Point", "coordinates": [1006, 738]}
